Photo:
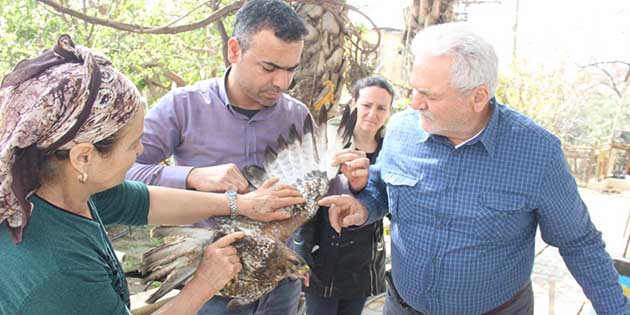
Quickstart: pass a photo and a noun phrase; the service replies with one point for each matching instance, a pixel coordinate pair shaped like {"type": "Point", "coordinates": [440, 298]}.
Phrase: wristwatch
{"type": "Point", "coordinates": [231, 197]}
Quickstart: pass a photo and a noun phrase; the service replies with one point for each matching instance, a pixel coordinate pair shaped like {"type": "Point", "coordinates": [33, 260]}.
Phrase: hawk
{"type": "Point", "coordinates": [302, 161]}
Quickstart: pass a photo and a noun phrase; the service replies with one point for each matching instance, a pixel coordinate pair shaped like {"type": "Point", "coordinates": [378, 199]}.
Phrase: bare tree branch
{"type": "Point", "coordinates": [224, 36]}
{"type": "Point", "coordinates": [169, 74]}
{"type": "Point", "coordinates": [190, 12]}
{"type": "Point", "coordinates": [224, 40]}
{"type": "Point", "coordinates": [135, 28]}
{"type": "Point", "coordinates": [174, 77]}
{"type": "Point", "coordinates": [85, 24]}
{"type": "Point", "coordinates": [60, 15]}
{"type": "Point", "coordinates": [168, 29]}
{"type": "Point", "coordinates": [198, 50]}
{"type": "Point", "coordinates": [88, 39]}
{"type": "Point", "coordinates": [613, 83]}
{"type": "Point", "coordinates": [594, 64]}
{"type": "Point", "coordinates": [374, 27]}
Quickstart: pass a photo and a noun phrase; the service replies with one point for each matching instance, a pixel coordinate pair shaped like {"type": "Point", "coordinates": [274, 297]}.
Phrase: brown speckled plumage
{"type": "Point", "coordinates": [301, 161]}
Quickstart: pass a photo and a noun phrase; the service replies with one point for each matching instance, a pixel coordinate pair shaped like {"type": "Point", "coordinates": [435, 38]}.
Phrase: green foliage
{"type": "Point", "coordinates": [400, 104]}
{"type": "Point", "coordinates": [28, 27]}
{"type": "Point", "coordinates": [574, 105]}
{"type": "Point", "coordinates": [579, 108]}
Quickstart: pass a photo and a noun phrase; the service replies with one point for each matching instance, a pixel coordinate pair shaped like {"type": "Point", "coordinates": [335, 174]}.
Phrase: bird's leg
{"type": "Point", "coordinates": [232, 281]}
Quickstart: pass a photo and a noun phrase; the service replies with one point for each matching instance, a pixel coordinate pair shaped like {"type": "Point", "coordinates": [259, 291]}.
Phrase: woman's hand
{"type": "Point", "coordinates": [264, 203]}
{"type": "Point", "coordinates": [220, 263]}
{"type": "Point", "coordinates": [354, 165]}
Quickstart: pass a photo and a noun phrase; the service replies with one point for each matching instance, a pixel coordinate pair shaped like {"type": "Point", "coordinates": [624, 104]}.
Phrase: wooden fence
{"type": "Point", "coordinates": [609, 160]}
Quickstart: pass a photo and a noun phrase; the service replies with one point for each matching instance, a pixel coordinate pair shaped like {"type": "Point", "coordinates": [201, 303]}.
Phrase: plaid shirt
{"type": "Point", "coordinates": [464, 220]}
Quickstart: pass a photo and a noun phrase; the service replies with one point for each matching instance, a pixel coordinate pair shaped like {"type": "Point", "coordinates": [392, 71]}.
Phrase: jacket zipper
{"type": "Point", "coordinates": [328, 290]}
{"type": "Point", "coordinates": [373, 268]}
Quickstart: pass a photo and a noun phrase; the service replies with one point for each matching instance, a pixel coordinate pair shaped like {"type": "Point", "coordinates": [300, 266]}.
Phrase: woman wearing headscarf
{"type": "Point", "coordinates": [70, 129]}
{"type": "Point", "coordinates": [349, 267]}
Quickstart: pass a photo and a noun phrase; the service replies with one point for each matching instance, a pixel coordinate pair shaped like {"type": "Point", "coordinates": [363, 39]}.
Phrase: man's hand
{"type": "Point", "coordinates": [264, 203]}
{"type": "Point", "coordinates": [217, 178]}
{"type": "Point", "coordinates": [354, 165]}
{"type": "Point", "coordinates": [345, 210]}
{"type": "Point", "coordinates": [220, 263]}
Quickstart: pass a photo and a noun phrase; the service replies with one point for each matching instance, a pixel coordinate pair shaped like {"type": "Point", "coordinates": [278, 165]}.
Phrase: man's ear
{"type": "Point", "coordinates": [81, 156]}
{"type": "Point", "coordinates": [480, 98]}
{"type": "Point", "coordinates": [234, 50]}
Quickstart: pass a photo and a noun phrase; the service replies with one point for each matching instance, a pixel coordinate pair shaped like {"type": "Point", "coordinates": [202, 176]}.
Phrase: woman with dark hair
{"type": "Point", "coordinates": [349, 267]}
{"type": "Point", "coordinates": [70, 129]}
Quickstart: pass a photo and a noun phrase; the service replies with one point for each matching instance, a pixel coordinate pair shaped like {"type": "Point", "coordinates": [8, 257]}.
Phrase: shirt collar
{"type": "Point", "coordinates": [487, 136]}
{"type": "Point", "coordinates": [263, 113]}
{"type": "Point", "coordinates": [223, 87]}
{"type": "Point", "coordinates": [471, 139]}
{"type": "Point", "coordinates": [424, 135]}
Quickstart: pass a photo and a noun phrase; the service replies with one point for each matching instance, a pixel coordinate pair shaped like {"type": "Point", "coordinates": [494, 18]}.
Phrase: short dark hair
{"type": "Point", "coordinates": [375, 80]}
{"type": "Point", "coordinates": [276, 15]}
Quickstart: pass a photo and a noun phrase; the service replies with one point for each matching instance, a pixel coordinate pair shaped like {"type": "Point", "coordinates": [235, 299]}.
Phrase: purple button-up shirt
{"type": "Point", "coordinates": [196, 125]}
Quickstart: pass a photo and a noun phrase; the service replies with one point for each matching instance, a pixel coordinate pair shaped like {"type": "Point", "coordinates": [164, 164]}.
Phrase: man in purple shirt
{"type": "Point", "coordinates": [215, 127]}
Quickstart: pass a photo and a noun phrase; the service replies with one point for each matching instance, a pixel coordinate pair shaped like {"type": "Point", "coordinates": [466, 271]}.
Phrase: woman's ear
{"type": "Point", "coordinates": [81, 155]}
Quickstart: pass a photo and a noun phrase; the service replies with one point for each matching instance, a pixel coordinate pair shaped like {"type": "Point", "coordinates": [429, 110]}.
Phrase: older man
{"type": "Point", "coordinates": [467, 182]}
{"type": "Point", "coordinates": [215, 127]}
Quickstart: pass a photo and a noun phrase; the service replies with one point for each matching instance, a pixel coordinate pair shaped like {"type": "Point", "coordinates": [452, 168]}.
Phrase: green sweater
{"type": "Point", "coordinates": [65, 263]}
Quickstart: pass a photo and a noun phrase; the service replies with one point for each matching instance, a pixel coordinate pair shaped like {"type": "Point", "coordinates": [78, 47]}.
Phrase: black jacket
{"type": "Point", "coordinates": [346, 266]}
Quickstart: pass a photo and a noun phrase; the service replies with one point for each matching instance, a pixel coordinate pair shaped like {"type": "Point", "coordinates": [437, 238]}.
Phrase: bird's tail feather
{"type": "Point", "coordinates": [341, 140]}
{"type": "Point", "coordinates": [346, 127]}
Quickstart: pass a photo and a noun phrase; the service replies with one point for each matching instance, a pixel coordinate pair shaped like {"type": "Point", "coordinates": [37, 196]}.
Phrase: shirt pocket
{"type": "Point", "coordinates": [400, 191]}
{"type": "Point", "coordinates": [502, 217]}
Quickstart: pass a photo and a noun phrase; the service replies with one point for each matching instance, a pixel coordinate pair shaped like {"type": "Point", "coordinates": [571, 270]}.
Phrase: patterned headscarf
{"type": "Point", "coordinates": [67, 95]}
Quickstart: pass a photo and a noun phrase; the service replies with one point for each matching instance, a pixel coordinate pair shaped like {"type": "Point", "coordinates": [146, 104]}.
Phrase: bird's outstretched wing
{"type": "Point", "coordinates": [265, 261]}
{"type": "Point", "coordinates": [176, 261]}
{"type": "Point", "coordinates": [303, 160]}
{"type": "Point", "coordinates": [304, 152]}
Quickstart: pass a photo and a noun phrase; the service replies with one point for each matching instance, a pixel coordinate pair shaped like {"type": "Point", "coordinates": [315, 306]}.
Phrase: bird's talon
{"type": "Point", "coordinates": [232, 281]}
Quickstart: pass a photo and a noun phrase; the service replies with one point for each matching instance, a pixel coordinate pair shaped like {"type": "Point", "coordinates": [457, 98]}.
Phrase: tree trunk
{"type": "Point", "coordinates": [421, 14]}
{"type": "Point", "coordinates": [424, 13]}
{"type": "Point", "coordinates": [319, 79]}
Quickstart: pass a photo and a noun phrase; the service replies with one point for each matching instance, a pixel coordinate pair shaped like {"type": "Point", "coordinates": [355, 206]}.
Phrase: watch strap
{"type": "Point", "coordinates": [231, 197]}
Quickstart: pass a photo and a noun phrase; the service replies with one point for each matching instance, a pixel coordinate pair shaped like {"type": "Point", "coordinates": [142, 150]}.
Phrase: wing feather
{"type": "Point", "coordinates": [177, 259]}
{"type": "Point", "coordinates": [301, 159]}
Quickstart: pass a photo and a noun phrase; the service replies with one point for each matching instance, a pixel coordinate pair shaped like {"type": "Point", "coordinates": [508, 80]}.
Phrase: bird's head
{"type": "Point", "coordinates": [297, 268]}
{"type": "Point", "coordinates": [298, 265]}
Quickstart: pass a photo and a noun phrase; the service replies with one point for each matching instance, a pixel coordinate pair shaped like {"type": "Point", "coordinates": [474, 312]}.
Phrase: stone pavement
{"type": "Point", "coordinates": [555, 290]}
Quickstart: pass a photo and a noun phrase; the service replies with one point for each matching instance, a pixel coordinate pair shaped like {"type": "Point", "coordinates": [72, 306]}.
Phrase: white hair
{"type": "Point", "coordinates": [474, 60]}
